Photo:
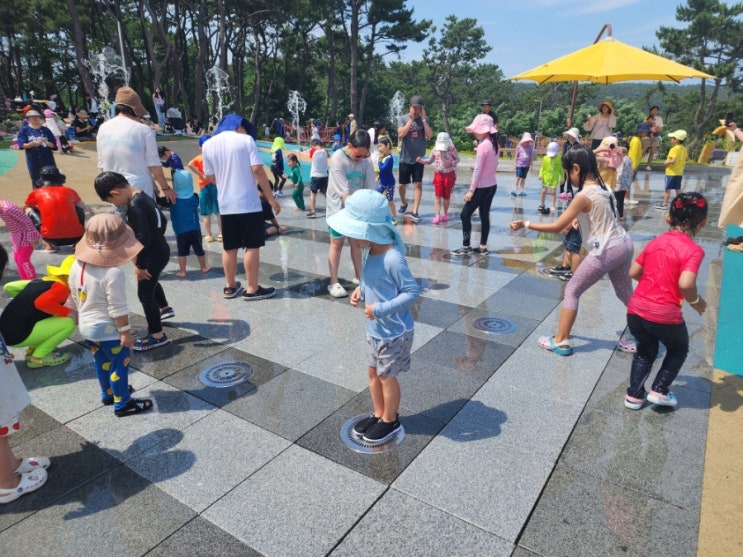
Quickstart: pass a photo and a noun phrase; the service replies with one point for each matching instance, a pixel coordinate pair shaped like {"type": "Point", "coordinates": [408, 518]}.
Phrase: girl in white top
{"type": "Point", "coordinates": [610, 248]}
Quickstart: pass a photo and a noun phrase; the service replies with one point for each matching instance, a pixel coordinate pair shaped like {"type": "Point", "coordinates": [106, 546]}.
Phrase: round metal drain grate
{"type": "Point", "coordinates": [285, 277]}
{"type": "Point", "coordinates": [226, 374]}
{"type": "Point", "coordinates": [358, 445]}
{"type": "Point", "coordinates": [544, 271]}
{"type": "Point", "coordinates": [494, 325]}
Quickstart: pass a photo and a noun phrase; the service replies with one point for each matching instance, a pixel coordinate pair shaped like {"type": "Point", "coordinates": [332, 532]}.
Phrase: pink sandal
{"type": "Point", "coordinates": [562, 348]}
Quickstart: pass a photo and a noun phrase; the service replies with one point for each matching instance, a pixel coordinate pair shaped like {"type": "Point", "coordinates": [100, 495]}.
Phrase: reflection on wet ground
{"type": "Point", "coordinates": [508, 449]}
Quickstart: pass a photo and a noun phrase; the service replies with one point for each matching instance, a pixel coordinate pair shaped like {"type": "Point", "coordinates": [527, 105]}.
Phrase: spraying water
{"type": "Point", "coordinates": [218, 83]}
{"type": "Point", "coordinates": [102, 66]}
{"type": "Point", "coordinates": [397, 104]}
{"type": "Point", "coordinates": [296, 104]}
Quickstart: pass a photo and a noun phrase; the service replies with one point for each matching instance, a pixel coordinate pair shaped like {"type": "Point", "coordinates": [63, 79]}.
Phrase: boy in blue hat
{"type": "Point", "coordinates": [388, 289]}
{"type": "Point", "coordinates": [185, 220]}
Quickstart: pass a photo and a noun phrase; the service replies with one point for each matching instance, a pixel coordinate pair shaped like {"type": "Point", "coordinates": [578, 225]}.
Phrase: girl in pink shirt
{"type": "Point", "coordinates": [23, 237]}
{"type": "Point", "coordinates": [483, 186]}
{"type": "Point", "coordinates": [666, 272]}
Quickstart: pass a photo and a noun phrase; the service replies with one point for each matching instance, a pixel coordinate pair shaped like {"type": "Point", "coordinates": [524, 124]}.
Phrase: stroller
{"type": "Point", "coordinates": [174, 122]}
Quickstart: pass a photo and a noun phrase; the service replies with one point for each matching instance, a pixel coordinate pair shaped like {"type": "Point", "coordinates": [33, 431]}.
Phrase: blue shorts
{"type": "Point", "coordinates": [208, 204]}
{"type": "Point", "coordinates": [390, 356]}
{"type": "Point", "coordinates": [387, 191]}
{"type": "Point", "coordinates": [673, 182]}
{"type": "Point", "coordinates": [187, 240]}
{"type": "Point", "coordinates": [573, 240]}
{"type": "Point", "coordinates": [319, 184]}
{"type": "Point", "coordinates": [522, 171]}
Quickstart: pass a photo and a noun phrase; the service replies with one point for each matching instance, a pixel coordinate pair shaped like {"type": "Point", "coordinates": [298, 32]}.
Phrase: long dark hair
{"type": "Point", "coordinates": [586, 161]}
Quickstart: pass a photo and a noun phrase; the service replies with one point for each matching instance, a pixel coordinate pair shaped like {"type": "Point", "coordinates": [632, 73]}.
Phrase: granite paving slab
{"type": "Point", "coordinates": [199, 538]}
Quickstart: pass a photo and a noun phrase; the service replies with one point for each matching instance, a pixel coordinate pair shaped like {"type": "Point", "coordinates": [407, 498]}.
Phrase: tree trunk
{"type": "Point", "coordinates": [80, 52]}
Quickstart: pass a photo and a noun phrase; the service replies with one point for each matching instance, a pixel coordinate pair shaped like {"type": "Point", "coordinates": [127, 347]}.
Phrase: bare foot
{"type": "Point", "coordinates": [297, 209]}
{"type": "Point", "coordinates": [181, 274]}
{"type": "Point", "coordinates": [283, 228]}
{"type": "Point", "coordinates": [205, 269]}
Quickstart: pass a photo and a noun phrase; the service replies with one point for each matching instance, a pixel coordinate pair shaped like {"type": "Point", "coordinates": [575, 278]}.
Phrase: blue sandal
{"type": "Point", "coordinates": [562, 348]}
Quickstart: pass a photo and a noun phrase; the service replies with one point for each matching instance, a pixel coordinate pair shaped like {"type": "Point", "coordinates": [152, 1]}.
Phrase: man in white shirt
{"type": "Point", "coordinates": [233, 163]}
{"type": "Point", "coordinates": [127, 146]}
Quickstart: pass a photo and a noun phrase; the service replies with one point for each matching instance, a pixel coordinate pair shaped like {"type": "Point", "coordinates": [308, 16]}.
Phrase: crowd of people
{"type": "Point", "coordinates": [358, 182]}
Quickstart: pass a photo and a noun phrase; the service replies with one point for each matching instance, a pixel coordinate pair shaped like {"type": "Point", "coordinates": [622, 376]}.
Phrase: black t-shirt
{"type": "Point", "coordinates": [19, 317]}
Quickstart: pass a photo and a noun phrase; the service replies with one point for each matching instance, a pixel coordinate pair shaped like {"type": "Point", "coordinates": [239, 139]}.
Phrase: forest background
{"type": "Point", "coordinates": [342, 56]}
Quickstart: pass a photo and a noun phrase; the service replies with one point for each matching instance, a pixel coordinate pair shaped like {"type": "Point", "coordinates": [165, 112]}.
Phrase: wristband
{"type": "Point", "coordinates": [695, 301]}
{"type": "Point", "coordinates": [124, 329]}
{"type": "Point", "coordinates": [526, 224]}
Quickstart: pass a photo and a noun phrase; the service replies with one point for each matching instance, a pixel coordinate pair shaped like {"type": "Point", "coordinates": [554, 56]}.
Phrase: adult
{"type": "Point", "coordinates": [602, 124]}
{"type": "Point", "coordinates": [487, 108]}
{"type": "Point", "coordinates": [413, 131]}
{"type": "Point", "coordinates": [84, 128]}
{"type": "Point", "coordinates": [127, 146]}
{"type": "Point", "coordinates": [233, 163]}
{"type": "Point", "coordinates": [353, 125]}
{"type": "Point", "coordinates": [91, 105]}
{"type": "Point", "coordinates": [609, 246]}
{"type": "Point", "coordinates": [350, 170]}
{"type": "Point", "coordinates": [159, 101]}
{"type": "Point", "coordinates": [656, 127]}
{"type": "Point", "coordinates": [38, 142]}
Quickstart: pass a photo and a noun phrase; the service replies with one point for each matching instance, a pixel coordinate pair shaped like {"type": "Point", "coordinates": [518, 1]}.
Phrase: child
{"type": "Point", "coordinates": [608, 160]}
{"type": "Point", "coordinates": [208, 204]}
{"type": "Point", "coordinates": [58, 128]}
{"type": "Point", "coordinates": [318, 174]}
{"type": "Point", "coordinates": [388, 289]}
{"type": "Point", "coordinates": [277, 166]}
{"type": "Point", "coordinates": [445, 155]}
{"type": "Point", "coordinates": [550, 173]}
{"type": "Point", "coordinates": [38, 318]}
{"type": "Point", "coordinates": [484, 184]}
{"type": "Point", "coordinates": [624, 178]}
{"type": "Point", "coordinates": [571, 256]}
{"type": "Point", "coordinates": [58, 209]}
{"type": "Point", "coordinates": [148, 223]}
{"type": "Point", "coordinates": [185, 219]}
{"type": "Point", "coordinates": [572, 140]}
{"type": "Point", "coordinates": [666, 272]}
{"type": "Point", "coordinates": [675, 163]}
{"type": "Point", "coordinates": [271, 225]}
{"type": "Point", "coordinates": [387, 180]}
{"type": "Point", "coordinates": [17, 476]}
{"type": "Point", "coordinates": [524, 152]}
{"type": "Point", "coordinates": [336, 143]}
{"type": "Point", "coordinates": [169, 159]}
{"type": "Point", "coordinates": [295, 175]}
{"type": "Point", "coordinates": [98, 287]}
{"type": "Point", "coordinates": [23, 237]}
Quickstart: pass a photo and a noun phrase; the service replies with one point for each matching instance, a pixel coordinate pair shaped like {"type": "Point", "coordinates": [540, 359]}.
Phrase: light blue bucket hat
{"type": "Point", "coordinates": [367, 217]}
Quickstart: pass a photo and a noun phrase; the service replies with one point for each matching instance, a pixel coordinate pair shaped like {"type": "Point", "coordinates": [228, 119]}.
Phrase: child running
{"type": "Point", "coordinates": [185, 219]}
{"type": "Point", "coordinates": [445, 155]}
{"type": "Point", "coordinates": [277, 166]}
{"type": "Point", "coordinates": [318, 174]}
{"type": "Point", "coordinates": [550, 173]}
{"type": "Point", "coordinates": [388, 289]}
{"type": "Point", "coordinates": [524, 152]}
{"type": "Point", "coordinates": [666, 272]}
{"type": "Point", "coordinates": [387, 181]}
{"type": "Point", "coordinates": [295, 175]}
{"type": "Point", "coordinates": [98, 288]}
{"type": "Point", "coordinates": [23, 237]}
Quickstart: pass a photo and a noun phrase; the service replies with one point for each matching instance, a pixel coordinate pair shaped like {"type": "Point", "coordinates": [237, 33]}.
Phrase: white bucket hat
{"type": "Point", "coordinates": [443, 142]}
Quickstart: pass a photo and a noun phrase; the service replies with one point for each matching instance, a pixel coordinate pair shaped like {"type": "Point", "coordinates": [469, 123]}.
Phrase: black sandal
{"type": "Point", "coordinates": [110, 401]}
{"type": "Point", "coordinates": [134, 406]}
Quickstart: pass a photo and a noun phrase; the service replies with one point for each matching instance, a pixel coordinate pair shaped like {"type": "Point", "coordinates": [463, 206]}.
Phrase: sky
{"type": "Point", "coordinates": [523, 38]}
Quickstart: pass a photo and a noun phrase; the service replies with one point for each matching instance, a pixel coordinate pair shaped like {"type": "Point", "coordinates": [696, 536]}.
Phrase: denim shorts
{"type": "Point", "coordinates": [573, 240]}
{"type": "Point", "coordinates": [673, 182]}
{"type": "Point", "coordinates": [522, 171]}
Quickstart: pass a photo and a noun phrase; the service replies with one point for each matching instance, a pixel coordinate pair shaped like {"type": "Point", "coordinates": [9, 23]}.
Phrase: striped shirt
{"type": "Point", "coordinates": [21, 228]}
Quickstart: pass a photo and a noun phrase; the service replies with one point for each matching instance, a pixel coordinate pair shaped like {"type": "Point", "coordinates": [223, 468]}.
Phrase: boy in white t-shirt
{"type": "Point", "coordinates": [318, 174]}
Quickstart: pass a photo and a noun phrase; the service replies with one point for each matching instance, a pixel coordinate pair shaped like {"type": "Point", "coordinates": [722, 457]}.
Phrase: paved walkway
{"type": "Point", "coordinates": [509, 450]}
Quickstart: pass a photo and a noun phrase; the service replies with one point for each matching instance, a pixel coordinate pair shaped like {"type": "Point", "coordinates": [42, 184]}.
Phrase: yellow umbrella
{"type": "Point", "coordinates": [609, 61]}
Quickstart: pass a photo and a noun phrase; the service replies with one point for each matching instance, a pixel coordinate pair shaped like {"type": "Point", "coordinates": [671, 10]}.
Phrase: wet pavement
{"type": "Point", "coordinates": [508, 449]}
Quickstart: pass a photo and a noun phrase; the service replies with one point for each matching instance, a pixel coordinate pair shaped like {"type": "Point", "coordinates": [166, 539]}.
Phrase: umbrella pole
{"type": "Point", "coordinates": [607, 28]}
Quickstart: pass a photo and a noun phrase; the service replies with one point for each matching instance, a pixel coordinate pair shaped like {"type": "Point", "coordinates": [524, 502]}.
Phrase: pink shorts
{"type": "Point", "coordinates": [443, 183]}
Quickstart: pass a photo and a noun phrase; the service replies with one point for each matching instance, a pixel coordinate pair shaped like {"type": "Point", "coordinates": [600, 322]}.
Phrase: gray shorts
{"type": "Point", "coordinates": [390, 356]}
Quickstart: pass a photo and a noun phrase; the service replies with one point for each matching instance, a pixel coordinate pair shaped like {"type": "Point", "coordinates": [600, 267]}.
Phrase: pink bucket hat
{"type": "Point", "coordinates": [526, 137]}
{"type": "Point", "coordinates": [49, 113]}
{"type": "Point", "coordinates": [482, 124]}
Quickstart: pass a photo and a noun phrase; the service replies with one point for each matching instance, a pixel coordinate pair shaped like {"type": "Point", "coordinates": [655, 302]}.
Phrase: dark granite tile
{"type": "Point", "coordinates": [435, 312]}
{"type": "Point", "coordinates": [34, 422]}
{"type": "Point", "coordinates": [199, 538]}
{"type": "Point", "coordinates": [325, 440]}
{"type": "Point", "coordinates": [282, 404]}
{"type": "Point", "coordinates": [117, 513]}
{"type": "Point", "coordinates": [534, 307]}
{"type": "Point", "coordinates": [527, 284]}
{"type": "Point", "coordinates": [188, 379]}
{"type": "Point", "coordinates": [74, 463]}
{"type": "Point", "coordinates": [578, 514]}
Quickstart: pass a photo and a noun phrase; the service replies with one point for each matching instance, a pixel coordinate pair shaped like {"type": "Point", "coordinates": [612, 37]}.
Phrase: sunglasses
{"type": "Point", "coordinates": [358, 155]}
